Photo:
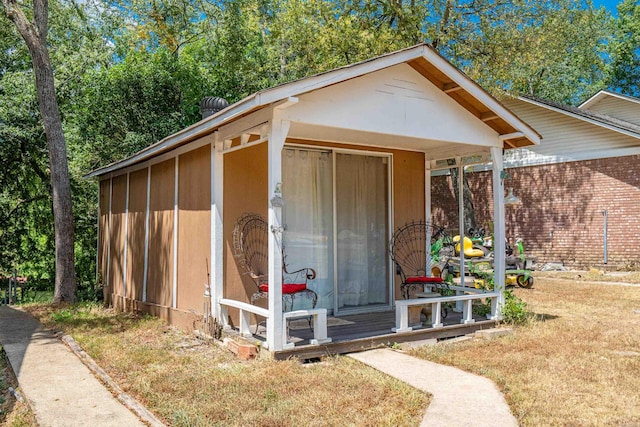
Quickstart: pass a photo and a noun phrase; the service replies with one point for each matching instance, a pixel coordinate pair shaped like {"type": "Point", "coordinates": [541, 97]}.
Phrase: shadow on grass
{"type": "Point", "coordinates": [543, 317]}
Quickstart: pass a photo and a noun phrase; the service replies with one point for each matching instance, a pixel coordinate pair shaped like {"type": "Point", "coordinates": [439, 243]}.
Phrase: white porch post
{"type": "Point", "coordinates": [277, 135]}
{"type": "Point", "coordinates": [427, 212]}
{"type": "Point", "coordinates": [459, 307]}
{"type": "Point", "coordinates": [216, 284]}
{"type": "Point", "coordinates": [498, 232]}
{"type": "Point", "coordinates": [174, 303]}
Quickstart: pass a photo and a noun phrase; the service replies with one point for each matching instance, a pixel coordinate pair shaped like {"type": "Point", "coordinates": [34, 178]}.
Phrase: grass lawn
{"type": "Point", "coordinates": [576, 363]}
{"type": "Point", "coordinates": [187, 383]}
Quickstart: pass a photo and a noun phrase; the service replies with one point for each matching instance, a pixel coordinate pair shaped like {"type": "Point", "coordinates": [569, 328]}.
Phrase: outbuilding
{"type": "Point", "coordinates": [334, 163]}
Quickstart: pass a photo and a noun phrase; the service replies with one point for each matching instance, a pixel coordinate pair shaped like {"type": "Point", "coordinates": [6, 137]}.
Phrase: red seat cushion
{"type": "Point", "coordinates": [287, 288]}
{"type": "Point", "coordinates": [424, 279]}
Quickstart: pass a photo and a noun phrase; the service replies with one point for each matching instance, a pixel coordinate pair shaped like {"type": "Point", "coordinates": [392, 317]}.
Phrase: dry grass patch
{"type": "Point", "coordinates": [576, 363]}
{"type": "Point", "coordinates": [591, 275]}
{"type": "Point", "coordinates": [188, 383]}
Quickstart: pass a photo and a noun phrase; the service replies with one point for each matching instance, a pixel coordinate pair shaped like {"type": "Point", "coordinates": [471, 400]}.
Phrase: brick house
{"type": "Point", "coordinates": [583, 175]}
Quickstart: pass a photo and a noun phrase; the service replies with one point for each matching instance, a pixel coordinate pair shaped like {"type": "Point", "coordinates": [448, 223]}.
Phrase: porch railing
{"type": "Point", "coordinates": [402, 307]}
{"type": "Point", "coordinates": [245, 314]}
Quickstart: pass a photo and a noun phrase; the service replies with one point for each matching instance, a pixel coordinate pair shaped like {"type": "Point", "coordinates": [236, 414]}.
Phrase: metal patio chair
{"type": "Point", "coordinates": [251, 249]}
{"type": "Point", "coordinates": [409, 250]}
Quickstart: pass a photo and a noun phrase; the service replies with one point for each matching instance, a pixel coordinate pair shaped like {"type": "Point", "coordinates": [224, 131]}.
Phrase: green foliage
{"type": "Point", "coordinates": [129, 73]}
{"type": "Point", "coordinates": [624, 69]}
{"type": "Point", "coordinates": [553, 50]}
{"type": "Point", "coordinates": [514, 311]}
{"type": "Point", "coordinates": [133, 104]}
{"type": "Point", "coordinates": [482, 308]}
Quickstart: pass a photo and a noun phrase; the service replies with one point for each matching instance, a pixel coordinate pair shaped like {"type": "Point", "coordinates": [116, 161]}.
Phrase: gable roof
{"type": "Point", "coordinates": [589, 116]}
{"type": "Point", "coordinates": [605, 94]}
{"type": "Point", "coordinates": [423, 58]}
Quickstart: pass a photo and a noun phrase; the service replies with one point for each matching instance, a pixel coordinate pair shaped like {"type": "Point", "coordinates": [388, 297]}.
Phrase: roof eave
{"type": "Point", "coordinates": [271, 95]}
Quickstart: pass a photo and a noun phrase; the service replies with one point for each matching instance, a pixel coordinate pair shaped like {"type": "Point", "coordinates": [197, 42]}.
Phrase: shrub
{"type": "Point", "coordinates": [514, 311]}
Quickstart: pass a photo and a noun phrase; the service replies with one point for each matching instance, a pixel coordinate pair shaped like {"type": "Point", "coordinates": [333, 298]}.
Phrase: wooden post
{"type": "Point", "coordinates": [498, 232]}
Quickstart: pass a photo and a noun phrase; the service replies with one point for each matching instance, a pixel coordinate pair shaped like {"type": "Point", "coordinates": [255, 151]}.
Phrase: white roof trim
{"type": "Point", "coordinates": [603, 94]}
{"type": "Point", "coordinates": [284, 91]}
{"type": "Point", "coordinates": [584, 119]}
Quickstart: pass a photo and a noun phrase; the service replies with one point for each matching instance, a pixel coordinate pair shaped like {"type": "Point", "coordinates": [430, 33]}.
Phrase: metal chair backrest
{"type": "Point", "coordinates": [408, 249]}
{"type": "Point", "coordinates": [251, 246]}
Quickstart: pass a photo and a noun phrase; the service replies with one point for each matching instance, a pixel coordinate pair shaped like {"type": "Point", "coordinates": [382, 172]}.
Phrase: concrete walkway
{"type": "Point", "coordinates": [59, 388]}
{"type": "Point", "coordinates": [459, 398]}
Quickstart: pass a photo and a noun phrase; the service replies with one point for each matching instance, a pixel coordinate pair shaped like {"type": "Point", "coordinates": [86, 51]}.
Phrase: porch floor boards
{"type": "Point", "coordinates": [359, 332]}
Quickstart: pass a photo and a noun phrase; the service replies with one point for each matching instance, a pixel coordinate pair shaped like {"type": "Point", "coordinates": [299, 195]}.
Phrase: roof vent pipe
{"type": "Point", "coordinates": [211, 105]}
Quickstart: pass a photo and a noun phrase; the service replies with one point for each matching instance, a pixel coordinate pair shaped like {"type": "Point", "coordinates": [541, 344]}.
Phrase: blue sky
{"type": "Point", "coordinates": [609, 4]}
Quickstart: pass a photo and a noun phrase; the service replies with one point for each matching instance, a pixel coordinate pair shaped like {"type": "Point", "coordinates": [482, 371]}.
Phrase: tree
{"type": "Point", "coordinates": [552, 49]}
{"type": "Point", "coordinates": [625, 49]}
{"type": "Point", "coordinates": [34, 34]}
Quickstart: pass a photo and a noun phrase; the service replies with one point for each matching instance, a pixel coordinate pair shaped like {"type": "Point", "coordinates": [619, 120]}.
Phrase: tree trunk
{"type": "Point", "coordinates": [469, 210]}
{"type": "Point", "coordinates": [35, 36]}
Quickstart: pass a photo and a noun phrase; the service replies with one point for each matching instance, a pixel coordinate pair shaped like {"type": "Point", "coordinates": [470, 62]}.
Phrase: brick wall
{"type": "Point", "coordinates": [560, 217]}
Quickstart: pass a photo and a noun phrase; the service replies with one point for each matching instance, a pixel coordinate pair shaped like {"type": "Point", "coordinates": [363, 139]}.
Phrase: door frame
{"type": "Point", "coordinates": [390, 223]}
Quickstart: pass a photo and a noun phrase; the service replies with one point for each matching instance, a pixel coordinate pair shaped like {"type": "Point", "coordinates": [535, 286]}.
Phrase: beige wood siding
{"type": "Point", "coordinates": [160, 263]}
{"type": "Point", "coordinates": [136, 233]}
{"type": "Point", "coordinates": [194, 227]}
{"type": "Point", "coordinates": [117, 233]}
{"type": "Point", "coordinates": [619, 108]}
{"type": "Point", "coordinates": [245, 190]}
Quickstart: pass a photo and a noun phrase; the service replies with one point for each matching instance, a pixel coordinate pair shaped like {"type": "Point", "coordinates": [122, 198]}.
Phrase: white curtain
{"type": "Point", "coordinates": [362, 225]}
{"type": "Point", "coordinates": [307, 190]}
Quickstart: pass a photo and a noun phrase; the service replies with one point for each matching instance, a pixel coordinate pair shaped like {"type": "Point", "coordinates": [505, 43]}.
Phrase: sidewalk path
{"type": "Point", "coordinates": [59, 387]}
{"type": "Point", "coordinates": [459, 398]}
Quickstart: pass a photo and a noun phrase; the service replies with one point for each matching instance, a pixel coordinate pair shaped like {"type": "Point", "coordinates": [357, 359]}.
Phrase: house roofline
{"type": "Point", "coordinates": [271, 95]}
{"type": "Point", "coordinates": [585, 118]}
{"type": "Point", "coordinates": [604, 93]}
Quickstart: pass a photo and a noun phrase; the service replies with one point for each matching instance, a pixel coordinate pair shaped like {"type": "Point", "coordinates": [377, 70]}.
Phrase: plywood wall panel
{"type": "Point", "coordinates": [117, 232]}
{"type": "Point", "coordinates": [408, 187]}
{"type": "Point", "coordinates": [194, 227]}
{"type": "Point", "coordinates": [245, 190]}
{"type": "Point", "coordinates": [161, 212]}
{"type": "Point", "coordinates": [136, 233]}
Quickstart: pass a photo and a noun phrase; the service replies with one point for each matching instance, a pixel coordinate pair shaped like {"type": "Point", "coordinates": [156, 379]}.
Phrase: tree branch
{"type": "Point", "coordinates": [41, 18]}
{"type": "Point", "coordinates": [26, 28]}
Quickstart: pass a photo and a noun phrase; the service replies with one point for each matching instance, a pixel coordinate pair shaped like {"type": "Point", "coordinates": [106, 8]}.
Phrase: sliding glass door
{"type": "Point", "coordinates": [337, 219]}
{"type": "Point", "coordinates": [362, 220]}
